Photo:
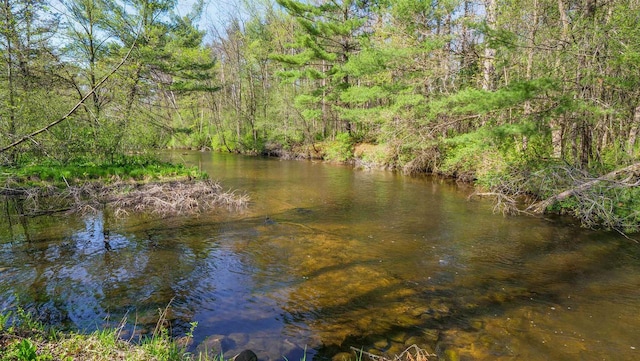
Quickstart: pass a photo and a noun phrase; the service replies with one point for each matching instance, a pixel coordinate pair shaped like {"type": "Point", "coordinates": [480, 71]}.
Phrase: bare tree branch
{"type": "Point", "coordinates": [66, 116]}
{"type": "Point", "coordinates": [541, 206]}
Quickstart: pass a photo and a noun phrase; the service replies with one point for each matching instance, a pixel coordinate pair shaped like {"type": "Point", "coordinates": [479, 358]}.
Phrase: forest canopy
{"type": "Point", "coordinates": [523, 97]}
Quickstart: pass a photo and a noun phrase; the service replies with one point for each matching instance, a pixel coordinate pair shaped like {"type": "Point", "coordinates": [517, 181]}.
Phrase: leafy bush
{"type": "Point", "coordinates": [341, 149]}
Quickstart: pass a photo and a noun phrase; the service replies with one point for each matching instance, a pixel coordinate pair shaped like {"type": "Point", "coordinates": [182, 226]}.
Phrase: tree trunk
{"type": "Point", "coordinates": [556, 138]}
{"type": "Point", "coordinates": [9, 34]}
{"type": "Point", "coordinates": [558, 125]}
{"type": "Point", "coordinates": [324, 101]}
{"type": "Point", "coordinates": [531, 43]}
{"type": "Point", "coordinates": [488, 64]}
{"type": "Point", "coordinates": [633, 133]}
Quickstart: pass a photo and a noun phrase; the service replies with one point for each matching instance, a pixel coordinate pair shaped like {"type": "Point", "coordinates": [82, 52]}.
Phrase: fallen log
{"type": "Point", "coordinates": [541, 207]}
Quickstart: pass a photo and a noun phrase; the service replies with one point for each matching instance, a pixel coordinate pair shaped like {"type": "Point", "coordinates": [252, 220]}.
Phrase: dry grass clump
{"type": "Point", "coordinates": [425, 161]}
{"type": "Point", "coordinates": [172, 198]}
{"type": "Point", "coordinates": [415, 353]}
{"type": "Point", "coordinates": [160, 198]}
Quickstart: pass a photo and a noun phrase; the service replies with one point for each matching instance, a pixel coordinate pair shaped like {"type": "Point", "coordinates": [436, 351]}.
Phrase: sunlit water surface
{"type": "Point", "coordinates": [326, 258]}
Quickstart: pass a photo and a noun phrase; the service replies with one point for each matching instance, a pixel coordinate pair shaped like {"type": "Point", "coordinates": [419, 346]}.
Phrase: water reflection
{"type": "Point", "coordinates": [347, 258]}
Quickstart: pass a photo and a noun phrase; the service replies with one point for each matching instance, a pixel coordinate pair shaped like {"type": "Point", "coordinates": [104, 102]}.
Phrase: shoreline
{"type": "Point", "coordinates": [158, 188]}
{"type": "Point", "coordinates": [550, 189]}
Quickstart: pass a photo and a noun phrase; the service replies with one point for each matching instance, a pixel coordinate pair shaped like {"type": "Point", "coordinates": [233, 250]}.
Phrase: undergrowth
{"type": "Point", "coordinates": [613, 204]}
{"type": "Point", "coordinates": [51, 172]}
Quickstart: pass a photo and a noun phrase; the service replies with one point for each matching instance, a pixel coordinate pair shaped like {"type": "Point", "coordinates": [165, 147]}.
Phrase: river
{"type": "Point", "coordinates": [327, 257]}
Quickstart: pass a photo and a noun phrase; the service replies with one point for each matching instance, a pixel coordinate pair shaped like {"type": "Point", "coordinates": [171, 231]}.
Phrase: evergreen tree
{"type": "Point", "coordinates": [329, 34]}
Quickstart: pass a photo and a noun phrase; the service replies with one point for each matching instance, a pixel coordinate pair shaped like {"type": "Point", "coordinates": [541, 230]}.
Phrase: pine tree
{"type": "Point", "coordinates": [330, 33]}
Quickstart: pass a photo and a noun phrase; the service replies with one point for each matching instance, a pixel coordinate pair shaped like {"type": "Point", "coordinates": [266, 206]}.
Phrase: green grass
{"type": "Point", "coordinates": [24, 339]}
{"type": "Point", "coordinates": [54, 173]}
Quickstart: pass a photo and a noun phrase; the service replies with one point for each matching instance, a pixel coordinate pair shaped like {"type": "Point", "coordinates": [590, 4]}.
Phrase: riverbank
{"type": "Point", "coordinates": [131, 185]}
{"type": "Point", "coordinates": [603, 197]}
{"type": "Point", "coordinates": [22, 338]}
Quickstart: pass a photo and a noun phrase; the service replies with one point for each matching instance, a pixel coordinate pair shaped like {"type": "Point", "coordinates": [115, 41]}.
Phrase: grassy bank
{"type": "Point", "coordinates": [58, 174]}
{"type": "Point", "coordinates": [24, 339]}
{"type": "Point", "coordinates": [131, 184]}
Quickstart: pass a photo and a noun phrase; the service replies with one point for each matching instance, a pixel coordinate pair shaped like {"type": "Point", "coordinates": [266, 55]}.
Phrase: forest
{"type": "Point", "coordinates": [537, 102]}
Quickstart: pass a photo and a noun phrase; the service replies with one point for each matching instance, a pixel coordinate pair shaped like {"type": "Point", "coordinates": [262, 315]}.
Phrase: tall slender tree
{"type": "Point", "coordinates": [330, 34]}
{"type": "Point", "coordinates": [27, 62]}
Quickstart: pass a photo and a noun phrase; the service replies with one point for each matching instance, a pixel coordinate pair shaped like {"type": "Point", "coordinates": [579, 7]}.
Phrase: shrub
{"type": "Point", "coordinates": [341, 149]}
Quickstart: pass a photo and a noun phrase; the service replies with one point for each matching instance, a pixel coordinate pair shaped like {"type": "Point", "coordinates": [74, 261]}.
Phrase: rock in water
{"type": "Point", "coordinates": [246, 355]}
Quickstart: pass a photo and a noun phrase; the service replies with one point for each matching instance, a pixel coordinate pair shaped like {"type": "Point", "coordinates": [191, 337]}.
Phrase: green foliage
{"type": "Point", "coordinates": [5, 319]}
{"type": "Point", "coordinates": [374, 62]}
{"type": "Point", "coordinates": [341, 149]}
{"type": "Point", "coordinates": [29, 341]}
{"type": "Point", "coordinates": [626, 205]}
{"type": "Point", "coordinates": [362, 95]}
{"type": "Point", "coordinates": [478, 102]}
{"type": "Point", "coordinates": [23, 349]}
{"type": "Point", "coordinates": [25, 320]}
{"type": "Point", "coordinates": [408, 75]}
{"type": "Point", "coordinates": [223, 140]}
{"type": "Point", "coordinates": [328, 34]}
{"type": "Point", "coordinates": [167, 66]}
{"type": "Point", "coordinates": [493, 156]}
{"type": "Point", "coordinates": [137, 168]}
{"type": "Point", "coordinates": [26, 351]}
{"type": "Point", "coordinates": [465, 155]}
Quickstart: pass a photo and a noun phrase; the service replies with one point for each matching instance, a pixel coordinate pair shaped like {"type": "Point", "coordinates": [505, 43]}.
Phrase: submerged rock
{"type": "Point", "coordinates": [431, 335]}
{"type": "Point", "coordinates": [413, 340]}
{"type": "Point", "coordinates": [381, 344]}
{"type": "Point", "coordinates": [399, 336]}
{"type": "Point", "coordinates": [396, 349]}
{"type": "Point", "coordinates": [237, 344]}
{"type": "Point", "coordinates": [343, 356]}
{"type": "Point", "coordinates": [216, 344]}
{"type": "Point", "coordinates": [246, 355]}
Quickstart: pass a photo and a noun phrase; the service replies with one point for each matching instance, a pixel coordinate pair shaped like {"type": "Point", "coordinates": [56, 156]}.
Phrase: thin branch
{"type": "Point", "coordinates": [541, 206]}
{"type": "Point", "coordinates": [78, 105]}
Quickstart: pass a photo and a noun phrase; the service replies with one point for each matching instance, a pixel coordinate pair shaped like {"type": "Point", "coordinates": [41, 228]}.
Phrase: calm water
{"type": "Point", "coordinates": [326, 258]}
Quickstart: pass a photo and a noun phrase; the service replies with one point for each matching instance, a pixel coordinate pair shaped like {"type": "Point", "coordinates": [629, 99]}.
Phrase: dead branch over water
{"type": "Point", "coordinates": [629, 172]}
{"type": "Point", "coordinates": [122, 198]}
{"type": "Point", "coordinates": [607, 201]}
